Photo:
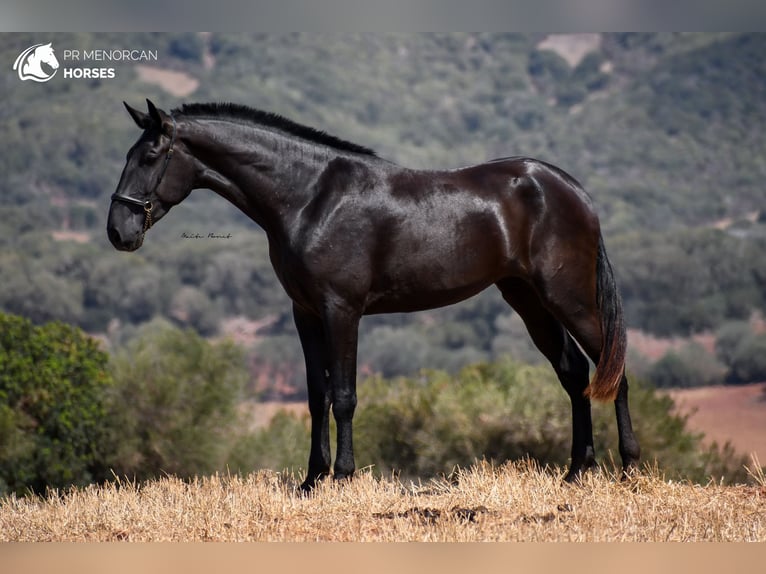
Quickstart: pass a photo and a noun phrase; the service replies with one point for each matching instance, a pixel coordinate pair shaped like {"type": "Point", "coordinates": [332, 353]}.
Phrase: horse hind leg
{"type": "Point", "coordinates": [630, 451]}
{"type": "Point", "coordinates": [567, 360]}
{"type": "Point", "coordinates": [579, 311]}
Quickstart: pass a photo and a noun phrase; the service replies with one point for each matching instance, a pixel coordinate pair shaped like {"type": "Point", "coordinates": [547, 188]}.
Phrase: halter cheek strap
{"type": "Point", "coordinates": [147, 204]}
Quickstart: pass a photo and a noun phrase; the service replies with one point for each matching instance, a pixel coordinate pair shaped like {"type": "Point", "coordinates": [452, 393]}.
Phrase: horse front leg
{"type": "Point", "coordinates": [312, 336]}
{"type": "Point", "coordinates": [341, 330]}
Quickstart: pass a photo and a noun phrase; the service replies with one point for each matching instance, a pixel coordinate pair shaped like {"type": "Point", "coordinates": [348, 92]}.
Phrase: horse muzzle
{"type": "Point", "coordinates": [126, 236]}
{"type": "Point", "coordinates": [127, 242]}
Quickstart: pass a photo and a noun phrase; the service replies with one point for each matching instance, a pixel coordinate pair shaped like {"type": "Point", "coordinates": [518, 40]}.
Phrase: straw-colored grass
{"type": "Point", "coordinates": [515, 502]}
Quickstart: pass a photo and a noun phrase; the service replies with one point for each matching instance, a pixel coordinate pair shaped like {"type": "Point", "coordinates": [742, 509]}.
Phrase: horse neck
{"type": "Point", "coordinates": [265, 174]}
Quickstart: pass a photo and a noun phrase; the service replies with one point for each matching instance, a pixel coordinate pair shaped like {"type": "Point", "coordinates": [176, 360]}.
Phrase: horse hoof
{"type": "Point", "coordinates": [577, 472]}
{"type": "Point", "coordinates": [629, 473]}
{"type": "Point", "coordinates": [308, 485]}
{"type": "Point", "coordinates": [574, 477]}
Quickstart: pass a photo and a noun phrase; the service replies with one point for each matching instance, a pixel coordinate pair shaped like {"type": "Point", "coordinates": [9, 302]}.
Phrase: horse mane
{"type": "Point", "coordinates": [240, 112]}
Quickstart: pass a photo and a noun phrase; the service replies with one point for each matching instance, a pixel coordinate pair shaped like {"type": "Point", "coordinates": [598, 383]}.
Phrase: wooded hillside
{"type": "Point", "coordinates": [664, 130]}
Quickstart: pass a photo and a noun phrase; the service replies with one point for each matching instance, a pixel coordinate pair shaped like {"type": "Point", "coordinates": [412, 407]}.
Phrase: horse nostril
{"type": "Point", "coordinates": [114, 236]}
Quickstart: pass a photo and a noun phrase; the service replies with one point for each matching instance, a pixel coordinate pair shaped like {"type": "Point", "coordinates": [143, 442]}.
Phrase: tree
{"type": "Point", "coordinates": [190, 306]}
{"type": "Point", "coordinates": [393, 352]}
{"type": "Point", "coordinates": [743, 352]}
{"type": "Point", "coordinates": [173, 407]}
{"type": "Point", "coordinates": [690, 366]}
{"type": "Point", "coordinates": [52, 406]}
{"type": "Point", "coordinates": [30, 290]}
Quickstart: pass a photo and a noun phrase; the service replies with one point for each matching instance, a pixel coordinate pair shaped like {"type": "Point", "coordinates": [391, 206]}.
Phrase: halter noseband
{"type": "Point", "coordinates": [147, 205]}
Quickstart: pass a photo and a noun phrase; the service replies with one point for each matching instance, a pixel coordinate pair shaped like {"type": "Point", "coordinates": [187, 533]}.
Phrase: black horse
{"type": "Point", "coordinates": [351, 234]}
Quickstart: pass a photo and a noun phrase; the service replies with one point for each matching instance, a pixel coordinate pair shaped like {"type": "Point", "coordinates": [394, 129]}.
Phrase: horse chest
{"type": "Point", "coordinates": [291, 273]}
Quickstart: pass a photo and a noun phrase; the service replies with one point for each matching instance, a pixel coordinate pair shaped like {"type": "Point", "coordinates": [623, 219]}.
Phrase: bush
{"type": "Point", "coordinates": [173, 406]}
{"type": "Point", "coordinates": [728, 338]}
{"type": "Point", "coordinates": [690, 366]}
{"type": "Point", "coordinates": [393, 351]}
{"type": "Point", "coordinates": [748, 364]}
{"type": "Point", "coordinates": [191, 307]}
{"type": "Point", "coordinates": [547, 69]}
{"type": "Point", "coordinates": [166, 403]}
{"type": "Point", "coordinates": [427, 425]}
{"type": "Point", "coordinates": [742, 351]}
{"type": "Point", "coordinates": [53, 381]}
{"type": "Point", "coordinates": [188, 46]}
{"type": "Point", "coordinates": [284, 444]}
{"type": "Point", "coordinates": [430, 424]}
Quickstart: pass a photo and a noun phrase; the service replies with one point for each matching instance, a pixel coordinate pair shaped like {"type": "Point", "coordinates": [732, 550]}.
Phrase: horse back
{"type": "Point", "coordinates": [396, 239]}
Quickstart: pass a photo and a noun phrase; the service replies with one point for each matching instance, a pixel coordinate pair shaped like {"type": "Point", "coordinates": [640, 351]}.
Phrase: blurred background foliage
{"type": "Point", "coordinates": [431, 423]}
{"type": "Point", "coordinates": [663, 130]}
{"type": "Point", "coordinates": [171, 402]}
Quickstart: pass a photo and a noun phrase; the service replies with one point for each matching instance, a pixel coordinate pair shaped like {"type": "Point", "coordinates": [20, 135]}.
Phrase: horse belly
{"type": "Point", "coordinates": [420, 300]}
{"type": "Point", "coordinates": [435, 273]}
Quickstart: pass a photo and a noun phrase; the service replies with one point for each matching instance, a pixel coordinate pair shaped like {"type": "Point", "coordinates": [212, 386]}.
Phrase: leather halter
{"type": "Point", "coordinates": [147, 204]}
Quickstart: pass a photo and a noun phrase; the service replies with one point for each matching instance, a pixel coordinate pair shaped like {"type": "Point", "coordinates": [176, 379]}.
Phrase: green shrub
{"type": "Point", "coordinates": [393, 351]}
{"type": "Point", "coordinates": [690, 366]}
{"type": "Point", "coordinates": [283, 445]}
{"type": "Point", "coordinates": [53, 383]}
{"type": "Point", "coordinates": [743, 351]}
{"type": "Point", "coordinates": [173, 407]}
{"type": "Point", "coordinates": [728, 337]}
{"type": "Point", "coordinates": [748, 363]}
{"type": "Point", "coordinates": [425, 426]}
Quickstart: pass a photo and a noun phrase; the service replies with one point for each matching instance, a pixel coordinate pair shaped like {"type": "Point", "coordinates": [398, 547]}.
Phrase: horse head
{"type": "Point", "coordinates": [150, 183]}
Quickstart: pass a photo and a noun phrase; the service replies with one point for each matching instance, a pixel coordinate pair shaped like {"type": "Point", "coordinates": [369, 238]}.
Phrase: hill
{"type": "Point", "coordinates": [662, 129]}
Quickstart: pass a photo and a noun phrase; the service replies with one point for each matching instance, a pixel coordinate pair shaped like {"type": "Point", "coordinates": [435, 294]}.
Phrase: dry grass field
{"type": "Point", "coordinates": [513, 502]}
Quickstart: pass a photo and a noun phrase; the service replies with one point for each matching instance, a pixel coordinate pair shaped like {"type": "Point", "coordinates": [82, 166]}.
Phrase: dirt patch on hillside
{"type": "Point", "coordinates": [178, 84]}
{"type": "Point", "coordinates": [572, 47]}
{"type": "Point", "coordinates": [727, 222]}
{"type": "Point", "coordinates": [244, 331]}
{"type": "Point", "coordinates": [76, 236]}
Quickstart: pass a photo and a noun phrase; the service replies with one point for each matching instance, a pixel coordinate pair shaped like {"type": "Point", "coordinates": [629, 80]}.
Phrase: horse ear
{"type": "Point", "coordinates": [142, 120]}
{"type": "Point", "coordinates": [159, 117]}
{"type": "Point", "coordinates": [154, 113]}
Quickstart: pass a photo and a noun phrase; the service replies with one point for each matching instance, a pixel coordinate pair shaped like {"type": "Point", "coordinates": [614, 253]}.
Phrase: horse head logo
{"type": "Point", "coordinates": [30, 61]}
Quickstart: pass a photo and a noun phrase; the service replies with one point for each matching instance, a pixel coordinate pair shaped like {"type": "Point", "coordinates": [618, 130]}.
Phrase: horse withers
{"type": "Point", "coordinates": [351, 234]}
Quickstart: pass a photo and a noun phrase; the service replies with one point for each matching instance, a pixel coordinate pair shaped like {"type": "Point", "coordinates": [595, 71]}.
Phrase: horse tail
{"type": "Point", "coordinates": [611, 362]}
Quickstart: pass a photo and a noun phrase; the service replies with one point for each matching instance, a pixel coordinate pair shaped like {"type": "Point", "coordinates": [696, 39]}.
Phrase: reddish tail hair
{"type": "Point", "coordinates": [611, 363]}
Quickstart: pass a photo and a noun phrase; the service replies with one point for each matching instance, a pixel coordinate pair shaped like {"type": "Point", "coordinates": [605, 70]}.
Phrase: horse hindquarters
{"type": "Point", "coordinates": [590, 309]}
{"type": "Point", "coordinates": [572, 296]}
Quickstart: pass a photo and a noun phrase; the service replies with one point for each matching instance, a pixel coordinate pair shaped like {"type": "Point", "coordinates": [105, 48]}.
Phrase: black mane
{"type": "Point", "coordinates": [268, 119]}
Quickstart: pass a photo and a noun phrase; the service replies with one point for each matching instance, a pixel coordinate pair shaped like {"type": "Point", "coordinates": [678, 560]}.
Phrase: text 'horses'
{"type": "Point", "coordinates": [351, 234]}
